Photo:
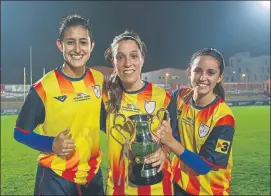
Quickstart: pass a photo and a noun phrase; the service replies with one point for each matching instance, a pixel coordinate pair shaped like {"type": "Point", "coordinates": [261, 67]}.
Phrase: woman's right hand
{"type": "Point", "coordinates": [63, 145]}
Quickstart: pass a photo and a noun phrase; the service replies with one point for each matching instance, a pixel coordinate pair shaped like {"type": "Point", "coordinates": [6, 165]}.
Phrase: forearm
{"type": "Point", "coordinates": [175, 147]}
{"type": "Point", "coordinates": [195, 161]}
{"type": "Point", "coordinates": [191, 159]}
{"type": "Point", "coordinates": [166, 150]}
{"type": "Point", "coordinates": [33, 140]}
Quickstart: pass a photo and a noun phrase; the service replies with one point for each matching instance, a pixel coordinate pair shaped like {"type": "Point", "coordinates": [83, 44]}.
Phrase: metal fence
{"type": "Point", "coordinates": [12, 96]}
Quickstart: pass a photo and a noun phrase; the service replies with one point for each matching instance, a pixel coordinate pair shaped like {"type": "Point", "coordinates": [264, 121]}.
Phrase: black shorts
{"type": "Point", "coordinates": [49, 183]}
{"type": "Point", "coordinates": [179, 191]}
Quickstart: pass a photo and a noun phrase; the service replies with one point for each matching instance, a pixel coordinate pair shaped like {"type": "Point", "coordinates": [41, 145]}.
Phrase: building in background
{"type": "Point", "coordinates": [168, 78]}
{"type": "Point", "coordinates": [243, 68]}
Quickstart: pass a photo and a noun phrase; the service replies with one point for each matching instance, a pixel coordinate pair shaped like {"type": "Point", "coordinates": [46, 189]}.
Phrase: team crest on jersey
{"type": "Point", "coordinates": [150, 106]}
{"type": "Point", "coordinates": [203, 130]}
{"type": "Point", "coordinates": [97, 91]}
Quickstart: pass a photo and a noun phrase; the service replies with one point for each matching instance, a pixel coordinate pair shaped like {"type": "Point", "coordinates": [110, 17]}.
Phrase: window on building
{"type": "Point", "coordinates": [232, 79]}
{"type": "Point", "coordinates": [176, 77]}
{"type": "Point", "coordinates": [268, 69]}
{"type": "Point", "coordinates": [247, 70]}
{"type": "Point", "coordinates": [262, 69]}
{"type": "Point", "coordinates": [239, 69]}
{"type": "Point", "coordinates": [227, 79]}
{"type": "Point", "coordinates": [266, 77]}
{"type": "Point", "coordinates": [255, 77]}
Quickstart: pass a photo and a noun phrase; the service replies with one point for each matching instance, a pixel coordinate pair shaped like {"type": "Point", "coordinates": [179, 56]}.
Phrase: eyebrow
{"type": "Point", "coordinates": [131, 51]}
{"type": "Point", "coordinates": [207, 69]}
{"type": "Point", "coordinates": [75, 39]}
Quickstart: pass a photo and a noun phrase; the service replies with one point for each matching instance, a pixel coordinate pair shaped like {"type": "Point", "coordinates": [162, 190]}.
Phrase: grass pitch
{"type": "Point", "coordinates": [251, 155]}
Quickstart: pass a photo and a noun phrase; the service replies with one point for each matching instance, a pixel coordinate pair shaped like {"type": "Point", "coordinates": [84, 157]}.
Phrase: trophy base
{"type": "Point", "coordinates": [148, 176]}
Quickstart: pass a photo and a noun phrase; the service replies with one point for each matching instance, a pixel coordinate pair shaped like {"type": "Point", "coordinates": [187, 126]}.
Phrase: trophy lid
{"type": "Point", "coordinates": [140, 117]}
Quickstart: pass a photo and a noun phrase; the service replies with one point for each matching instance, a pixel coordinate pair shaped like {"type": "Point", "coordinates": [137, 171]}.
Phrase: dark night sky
{"type": "Point", "coordinates": [172, 31]}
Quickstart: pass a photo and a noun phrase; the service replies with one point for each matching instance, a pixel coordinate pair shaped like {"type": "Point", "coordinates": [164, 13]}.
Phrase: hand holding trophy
{"type": "Point", "coordinates": [142, 143]}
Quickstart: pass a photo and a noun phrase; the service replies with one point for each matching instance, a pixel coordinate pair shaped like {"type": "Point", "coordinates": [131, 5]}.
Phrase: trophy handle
{"type": "Point", "coordinates": [160, 110]}
{"type": "Point", "coordinates": [160, 120]}
{"type": "Point", "coordinates": [120, 127]}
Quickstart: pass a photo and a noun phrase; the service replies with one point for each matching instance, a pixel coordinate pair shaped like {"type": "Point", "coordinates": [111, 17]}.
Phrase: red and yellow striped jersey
{"type": "Point", "coordinates": [69, 102]}
{"type": "Point", "coordinates": [207, 131]}
{"type": "Point", "coordinates": [149, 99]}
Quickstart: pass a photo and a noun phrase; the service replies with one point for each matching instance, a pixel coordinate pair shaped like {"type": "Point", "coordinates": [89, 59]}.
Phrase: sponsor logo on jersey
{"type": "Point", "coordinates": [61, 98]}
{"type": "Point", "coordinates": [130, 108]}
{"type": "Point", "coordinates": [81, 97]}
{"type": "Point", "coordinates": [188, 120]}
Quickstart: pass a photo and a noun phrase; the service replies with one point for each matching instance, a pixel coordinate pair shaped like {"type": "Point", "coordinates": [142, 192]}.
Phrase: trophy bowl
{"type": "Point", "coordinates": [142, 146]}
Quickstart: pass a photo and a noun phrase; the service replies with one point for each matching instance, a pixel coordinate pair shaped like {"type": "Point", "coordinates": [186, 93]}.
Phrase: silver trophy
{"type": "Point", "coordinates": [138, 135]}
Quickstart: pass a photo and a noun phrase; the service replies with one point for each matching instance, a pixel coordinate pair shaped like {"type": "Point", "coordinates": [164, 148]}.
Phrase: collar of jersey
{"type": "Point", "coordinates": [69, 78]}
{"type": "Point", "coordinates": [135, 92]}
{"type": "Point", "coordinates": [192, 102]}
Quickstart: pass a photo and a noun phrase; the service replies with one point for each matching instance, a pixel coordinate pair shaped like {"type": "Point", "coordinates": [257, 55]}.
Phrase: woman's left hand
{"type": "Point", "coordinates": [157, 159]}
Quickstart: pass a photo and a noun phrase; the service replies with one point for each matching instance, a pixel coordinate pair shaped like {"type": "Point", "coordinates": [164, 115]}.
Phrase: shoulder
{"type": "Point", "coordinates": [48, 78]}
{"type": "Point", "coordinates": [224, 114]}
{"type": "Point", "coordinates": [46, 82]}
{"type": "Point", "coordinates": [182, 92]}
{"type": "Point", "coordinates": [96, 73]}
{"type": "Point", "coordinates": [158, 90]}
{"type": "Point", "coordinates": [223, 108]}
{"type": "Point", "coordinates": [155, 86]}
{"type": "Point", "coordinates": [182, 95]}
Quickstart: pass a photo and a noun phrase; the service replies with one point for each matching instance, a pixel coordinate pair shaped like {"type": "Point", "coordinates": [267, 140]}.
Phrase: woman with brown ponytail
{"type": "Point", "coordinates": [125, 93]}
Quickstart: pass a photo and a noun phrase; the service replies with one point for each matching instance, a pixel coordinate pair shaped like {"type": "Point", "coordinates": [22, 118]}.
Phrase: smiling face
{"type": "Point", "coordinates": [205, 74]}
{"type": "Point", "coordinates": [128, 61]}
{"type": "Point", "coordinates": [76, 46]}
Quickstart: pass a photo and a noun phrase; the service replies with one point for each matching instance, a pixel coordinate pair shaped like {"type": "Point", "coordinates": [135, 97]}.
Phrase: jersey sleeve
{"type": "Point", "coordinates": [32, 113]}
{"type": "Point", "coordinates": [217, 147]}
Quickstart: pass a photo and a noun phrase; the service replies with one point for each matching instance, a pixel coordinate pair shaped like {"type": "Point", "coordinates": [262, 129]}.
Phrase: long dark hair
{"type": "Point", "coordinates": [219, 89]}
{"type": "Point", "coordinates": [113, 86]}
